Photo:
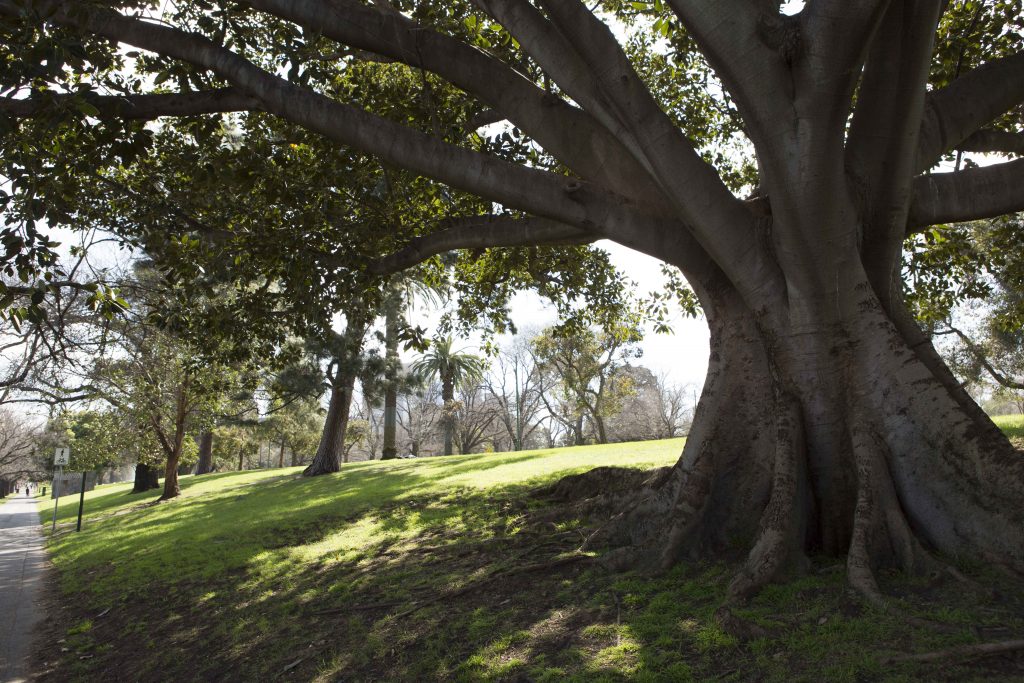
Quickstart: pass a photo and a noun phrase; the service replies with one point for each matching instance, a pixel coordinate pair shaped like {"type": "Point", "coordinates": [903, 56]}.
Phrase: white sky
{"type": "Point", "coordinates": [683, 355]}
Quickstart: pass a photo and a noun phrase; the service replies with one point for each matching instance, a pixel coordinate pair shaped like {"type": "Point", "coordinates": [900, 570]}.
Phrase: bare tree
{"type": "Point", "coordinates": [19, 445]}
{"type": "Point", "coordinates": [515, 381]}
{"type": "Point", "coordinates": [419, 417]}
{"type": "Point", "coordinates": [476, 413]}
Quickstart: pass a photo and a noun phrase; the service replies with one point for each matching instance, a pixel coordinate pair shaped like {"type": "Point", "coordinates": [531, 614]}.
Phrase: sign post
{"type": "Point", "coordinates": [61, 457]}
{"type": "Point", "coordinates": [81, 503]}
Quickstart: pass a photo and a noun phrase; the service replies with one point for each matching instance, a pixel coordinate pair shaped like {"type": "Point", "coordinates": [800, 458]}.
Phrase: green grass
{"type": "Point", "coordinates": [1013, 425]}
{"type": "Point", "coordinates": [264, 574]}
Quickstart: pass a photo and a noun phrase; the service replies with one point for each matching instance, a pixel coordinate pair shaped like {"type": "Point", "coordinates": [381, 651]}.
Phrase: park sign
{"type": "Point", "coordinates": [61, 456]}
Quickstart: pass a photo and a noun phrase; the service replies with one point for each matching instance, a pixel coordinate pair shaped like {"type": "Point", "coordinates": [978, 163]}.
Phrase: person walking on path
{"type": "Point", "coordinates": [22, 561]}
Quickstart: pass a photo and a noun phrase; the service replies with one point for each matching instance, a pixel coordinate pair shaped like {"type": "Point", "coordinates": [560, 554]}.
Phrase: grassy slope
{"type": "Point", "coordinates": [1013, 425]}
{"type": "Point", "coordinates": [259, 575]}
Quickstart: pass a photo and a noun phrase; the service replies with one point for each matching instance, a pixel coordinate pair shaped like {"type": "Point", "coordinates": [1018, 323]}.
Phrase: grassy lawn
{"type": "Point", "coordinates": [450, 569]}
{"type": "Point", "coordinates": [1013, 425]}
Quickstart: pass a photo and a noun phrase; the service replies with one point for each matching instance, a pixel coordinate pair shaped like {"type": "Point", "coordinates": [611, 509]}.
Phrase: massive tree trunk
{"type": "Point", "coordinates": [205, 465]}
{"type": "Point", "coordinates": [147, 478]}
{"type": "Point", "coordinates": [835, 438]}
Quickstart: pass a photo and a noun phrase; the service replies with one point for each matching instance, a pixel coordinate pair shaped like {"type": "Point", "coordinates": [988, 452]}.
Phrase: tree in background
{"type": "Point", "coordinates": [585, 364]}
{"type": "Point", "coordinates": [418, 415]}
{"type": "Point", "coordinates": [515, 382]}
{"type": "Point", "coordinates": [452, 368]}
{"type": "Point", "coordinates": [475, 413]}
{"type": "Point", "coordinates": [22, 452]}
{"type": "Point", "coordinates": [296, 428]}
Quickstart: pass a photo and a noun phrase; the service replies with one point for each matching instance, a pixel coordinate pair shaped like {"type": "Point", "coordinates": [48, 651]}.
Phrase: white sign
{"type": "Point", "coordinates": [61, 455]}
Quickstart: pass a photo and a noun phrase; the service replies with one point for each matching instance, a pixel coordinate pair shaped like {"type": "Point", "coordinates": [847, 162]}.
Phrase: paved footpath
{"type": "Point", "coordinates": [22, 562]}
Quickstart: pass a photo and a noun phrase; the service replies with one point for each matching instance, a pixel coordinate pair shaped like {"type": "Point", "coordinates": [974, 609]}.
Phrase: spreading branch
{"type": "Point", "coordinates": [144, 107]}
{"type": "Point", "coordinates": [967, 104]}
{"type": "Point", "coordinates": [982, 358]}
{"type": "Point", "coordinates": [994, 141]}
{"type": "Point", "coordinates": [539, 192]}
{"type": "Point", "coordinates": [482, 232]}
{"type": "Point", "coordinates": [568, 133]}
{"type": "Point", "coordinates": [972, 194]}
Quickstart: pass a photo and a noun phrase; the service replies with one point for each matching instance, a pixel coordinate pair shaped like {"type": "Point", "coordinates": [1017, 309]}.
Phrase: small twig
{"type": "Point", "coordinates": [960, 652]}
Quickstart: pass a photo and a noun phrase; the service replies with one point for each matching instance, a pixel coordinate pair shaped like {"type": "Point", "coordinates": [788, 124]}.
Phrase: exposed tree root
{"type": "Point", "coordinates": [780, 533]}
{"type": "Point", "coordinates": [741, 629]}
{"type": "Point", "coordinates": [960, 652]}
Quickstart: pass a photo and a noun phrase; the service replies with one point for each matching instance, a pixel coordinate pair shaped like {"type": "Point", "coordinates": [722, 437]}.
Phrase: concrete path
{"type": "Point", "coordinates": [22, 559]}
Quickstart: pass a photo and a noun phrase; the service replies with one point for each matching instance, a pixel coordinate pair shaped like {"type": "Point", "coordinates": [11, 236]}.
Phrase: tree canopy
{"type": "Point", "coordinates": [778, 161]}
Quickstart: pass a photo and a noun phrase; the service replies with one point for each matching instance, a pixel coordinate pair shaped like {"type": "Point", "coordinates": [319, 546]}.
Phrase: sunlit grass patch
{"type": "Point", "coordinates": [437, 569]}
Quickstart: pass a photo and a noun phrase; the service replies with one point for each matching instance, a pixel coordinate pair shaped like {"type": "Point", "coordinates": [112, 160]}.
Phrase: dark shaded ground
{"type": "Point", "coordinates": [491, 588]}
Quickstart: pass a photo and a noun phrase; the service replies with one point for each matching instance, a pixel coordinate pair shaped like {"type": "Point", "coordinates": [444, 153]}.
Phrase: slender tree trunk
{"type": "Point", "coordinates": [147, 478]}
{"type": "Point", "coordinates": [280, 455]}
{"type": "Point", "coordinates": [577, 432]}
{"type": "Point", "coordinates": [448, 396]}
{"type": "Point", "coordinates": [331, 450]}
{"type": "Point", "coordinates": [171, 489]}
{"type": "Point", "coordinates": [205, 465]}
{"type": "Point", "coordinates": [389, 450]}
{"type": "Point", "coordinates": [241, 458]}
{"type": "Point", "coordinates": [602, 435]}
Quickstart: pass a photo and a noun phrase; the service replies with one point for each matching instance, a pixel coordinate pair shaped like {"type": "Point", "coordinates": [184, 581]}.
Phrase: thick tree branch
{"type": "Point", "coordinates": [883, 138]}
{"type": "Point", "coordinates": [539, 192]}
{"type": "Point", "coordinates": [953, 113]}
{"type": "Point", "coordinates": [481, 232]}
{"type": "Point", "coordinates": [145, 107]}
{"type": "Point", "coordinates": [750, 60]}
{"type": "Point", "coordinates": [836, 31]}
{"type": "Point", "coordinates": [972, 194]}
{"type": "Point", "coordinates": [994, 141]}
{"type": "Point", "coordinates": [583, 57]}
{"type": "Point", "coordinates": [568, 133]}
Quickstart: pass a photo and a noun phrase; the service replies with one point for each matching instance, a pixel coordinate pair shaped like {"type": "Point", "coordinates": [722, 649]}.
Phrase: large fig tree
{"type": "Point", "coordinates": [827, 423]}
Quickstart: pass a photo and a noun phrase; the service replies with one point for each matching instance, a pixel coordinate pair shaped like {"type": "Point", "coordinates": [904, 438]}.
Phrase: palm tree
{"type": "Point", "coordinates": [403, 290]}
{"type": "Point", "coordinates": [452, 368]}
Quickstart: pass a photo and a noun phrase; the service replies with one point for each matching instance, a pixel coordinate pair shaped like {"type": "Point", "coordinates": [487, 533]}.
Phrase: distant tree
{"type": "Point", "coordinates": [475, 413]}
{"type": "Point", "coordinates": [452, 368]}
{"type": "Point", "coordinates": [515, 381]}
{"type": "Point", "coordinates": [674, 411]}
{"type": "Point", "coordinates": [637, 415]}
{"type": "Point", "coordinates": [418, 414]}
{"type": "Point", "coordinates": [20, 446]}
{"type": "Point", "coordinates": [295, 427]}
{"type": "Point", "coordinates": [585, 364]}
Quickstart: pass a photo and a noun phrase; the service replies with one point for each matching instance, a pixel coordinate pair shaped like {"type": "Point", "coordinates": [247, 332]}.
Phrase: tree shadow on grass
{"type": "Point", "coordinates": [390, 573]}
